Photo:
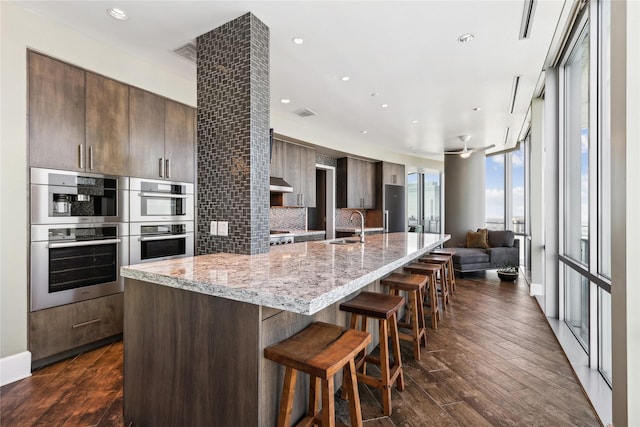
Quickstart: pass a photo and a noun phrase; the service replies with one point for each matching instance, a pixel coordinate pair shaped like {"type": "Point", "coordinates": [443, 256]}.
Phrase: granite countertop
{"type": "Point", "coordinates": [306, 232]}
{"type": "Point", "coordinates": [357, 229]}
{"type": "Point", "coordinates": [301, 277]}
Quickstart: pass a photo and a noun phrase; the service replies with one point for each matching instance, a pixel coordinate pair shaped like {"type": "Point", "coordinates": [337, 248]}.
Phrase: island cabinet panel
{"type": "Point", "coordinates": [107, 126]}
{"type": "Point", "coordinates": [189, 359]}
{"type": "Point", "coordinates": [356, 184]}
{"type": "Point", "coordinates": [56, 114]}
{"type": "Point", "coordinates": [59, 329]}
{"type": "Point", "coordinates": [296, 164]}
{"type": "Point", "coordinates": [162, 138]}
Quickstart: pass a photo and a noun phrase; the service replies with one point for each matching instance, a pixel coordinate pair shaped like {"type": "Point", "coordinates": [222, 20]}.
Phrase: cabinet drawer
{"type": "Point", "coordinates": [63, 328]}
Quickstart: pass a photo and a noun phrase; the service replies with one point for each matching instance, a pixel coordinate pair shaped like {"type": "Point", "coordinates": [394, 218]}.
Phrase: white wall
{"type": "Point", "coordinates": [625, 197]}
{"type": "Point", "coordinates": [20, 30]}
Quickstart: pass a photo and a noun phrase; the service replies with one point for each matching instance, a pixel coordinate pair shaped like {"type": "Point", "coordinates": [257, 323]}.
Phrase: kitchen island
{"type": "Point", "coordinates": [195, 328]}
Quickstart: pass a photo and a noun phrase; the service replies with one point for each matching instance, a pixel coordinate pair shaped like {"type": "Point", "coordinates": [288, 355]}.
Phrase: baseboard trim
{"type": "Point", "coordinates": [15, 367]}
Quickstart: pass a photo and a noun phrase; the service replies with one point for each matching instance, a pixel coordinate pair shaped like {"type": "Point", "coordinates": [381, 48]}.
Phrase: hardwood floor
{"type": "Point", "coordinates": [492, 362]}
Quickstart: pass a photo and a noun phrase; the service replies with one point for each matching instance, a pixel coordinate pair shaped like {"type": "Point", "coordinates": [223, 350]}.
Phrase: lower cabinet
{"type": "Point", "coordinates": [61, 329]}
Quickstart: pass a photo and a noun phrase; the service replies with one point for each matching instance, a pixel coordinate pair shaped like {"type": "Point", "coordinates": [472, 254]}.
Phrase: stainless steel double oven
{"type": "Point", "coordinates": [84, 227]}
{"type": "Point", "coordinates": [79, 236]}
{"type": "Point", "coordinates": [161, 220]}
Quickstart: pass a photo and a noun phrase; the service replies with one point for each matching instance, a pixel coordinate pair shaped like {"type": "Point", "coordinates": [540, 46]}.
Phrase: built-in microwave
{"type": "Point", "coordinates": [154, 200]}
{"type": "Point", "coordinates": [64, 197]}
{"type": "Point", "coordinates": [160, 241]}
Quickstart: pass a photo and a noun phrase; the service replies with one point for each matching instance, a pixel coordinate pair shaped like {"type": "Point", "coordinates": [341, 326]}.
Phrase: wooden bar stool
{"type": "Point", "coordinates": [429, 270]}
{"type": "Point", "coordinates": [414, 285]}
{"type": "Point", "coordinates": [445, 280]}
{"type": "Point", "coordinates": [449, 252]}
{"type": "Point", "coordinates": [384, 308]}
{"type": "Point", "coordinates": [320, 350]}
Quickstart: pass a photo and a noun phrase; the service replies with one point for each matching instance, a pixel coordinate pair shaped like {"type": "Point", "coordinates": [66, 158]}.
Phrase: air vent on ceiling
{"type": "Point", "coordinates": [188, 52]}
{"type": "Point", "coordinates": [514, 93]}
{"type": "Point", "coordinates": [306, 112]}
{"type": "Point", "coordinates": [527, 18]}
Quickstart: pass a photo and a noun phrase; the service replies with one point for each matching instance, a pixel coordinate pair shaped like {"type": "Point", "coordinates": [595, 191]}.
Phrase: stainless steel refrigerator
{"type": "Point", "coordinates": [395, 219]}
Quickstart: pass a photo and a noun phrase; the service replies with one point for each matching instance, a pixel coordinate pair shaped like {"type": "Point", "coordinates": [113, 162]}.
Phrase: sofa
{"type": "Point", "coordinates": [486, 250]}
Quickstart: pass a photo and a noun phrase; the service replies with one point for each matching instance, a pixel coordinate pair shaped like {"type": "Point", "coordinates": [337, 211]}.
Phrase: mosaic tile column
{"type": "Point", "coordinates": [233, 136]}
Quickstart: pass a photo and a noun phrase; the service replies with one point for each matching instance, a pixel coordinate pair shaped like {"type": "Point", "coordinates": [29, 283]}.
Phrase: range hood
{"type": "Point", "coordinates": [279, 185]}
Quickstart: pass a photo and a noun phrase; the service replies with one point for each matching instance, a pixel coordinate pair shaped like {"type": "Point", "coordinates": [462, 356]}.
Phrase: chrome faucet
{"type": "Point", "coordinates": [361, 224]}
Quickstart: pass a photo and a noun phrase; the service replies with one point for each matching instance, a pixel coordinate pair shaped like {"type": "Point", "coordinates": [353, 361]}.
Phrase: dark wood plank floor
{"type": "Point", "coordinates": [492, 362]}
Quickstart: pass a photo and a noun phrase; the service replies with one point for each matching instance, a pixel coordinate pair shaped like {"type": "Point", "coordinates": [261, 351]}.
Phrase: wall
{"type": "Point", "coordinates": [625, 212]}
{"type": "Point", "coordinates": [464, 196]}
{"type": "Point", "coordinates": [20, 30]}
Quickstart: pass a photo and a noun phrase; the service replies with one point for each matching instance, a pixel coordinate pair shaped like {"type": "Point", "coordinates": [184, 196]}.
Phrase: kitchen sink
{"type": "Point", "coordinates": [343, 241]}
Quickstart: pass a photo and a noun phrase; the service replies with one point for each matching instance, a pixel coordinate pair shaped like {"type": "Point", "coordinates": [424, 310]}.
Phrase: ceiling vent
{"type": "Point", "coordinates": [306, 112]}
{"type": "Point", "coordinates": [514, 93]}
{"type": "Point", "coordinates": [188, 52]}
{"type": "Point", "coordinates": [527, 18]}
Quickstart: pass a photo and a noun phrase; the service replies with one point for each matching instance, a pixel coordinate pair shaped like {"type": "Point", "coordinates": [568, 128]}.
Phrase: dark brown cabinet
{"type": "Point", "coordinates": [56, 114]}
{"type": "Point", "coordinates": [296, 164]}
{"type": "Point", "coordinates": [393, 173]}
{"type": "Point", "coordinates": [78, 120]}
{"type": "Point", "coordinates": [59, 329]}
{"type": "Point", "coordinates": [162, 137]}
{"type": "Point", "coordinates": [356, 184]}
{"type": "Point", "coordinates": [107, 126]}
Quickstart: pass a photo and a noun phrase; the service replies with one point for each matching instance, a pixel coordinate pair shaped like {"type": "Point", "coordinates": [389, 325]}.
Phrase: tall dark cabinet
{"type": "Point", "coordinates": [356, 184]}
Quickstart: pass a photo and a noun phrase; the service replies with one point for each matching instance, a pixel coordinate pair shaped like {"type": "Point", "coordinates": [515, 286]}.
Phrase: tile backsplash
{"type": "Point", "coordinates": [288, 218]}
{"type": "Point", "coordinates": [342, 217]}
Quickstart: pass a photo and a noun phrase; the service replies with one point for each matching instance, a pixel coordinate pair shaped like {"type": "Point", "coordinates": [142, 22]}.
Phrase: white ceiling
{"type": "Point", "coordinates": [407, 52]}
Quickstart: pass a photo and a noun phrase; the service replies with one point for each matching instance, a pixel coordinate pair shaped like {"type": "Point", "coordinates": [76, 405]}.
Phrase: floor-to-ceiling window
{"type": "Point", "coordinates": [424, 198]}
{"type": "Point", "coordinates": [585, 221]}
{"type": "Point", "coordinates": [506, 194]}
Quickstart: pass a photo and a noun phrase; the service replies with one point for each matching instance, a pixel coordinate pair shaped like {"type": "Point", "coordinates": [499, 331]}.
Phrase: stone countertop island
{"type": "Point", "coordinates": [195, 328]}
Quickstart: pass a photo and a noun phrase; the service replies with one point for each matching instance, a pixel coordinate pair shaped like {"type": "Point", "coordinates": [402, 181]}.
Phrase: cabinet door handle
{"type": "Point", "coordinates": [91, 157]}
{"type": "Point", "coordinates": [167, 168]}
{"type": "Point", "coordinates": [161, 161]}
{"type": "Point", "coordinates": [81, 155]}
{"type": "Point", "coordinates": [87, 323]}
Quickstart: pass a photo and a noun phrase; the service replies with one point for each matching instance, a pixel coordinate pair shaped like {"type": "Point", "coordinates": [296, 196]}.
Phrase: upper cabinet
{"type": "Point", "coordinates": [162, 137]}
{"type": "Point", "coordinates": [56, 114]}
{"type": "Point", "coordinates": [107, 125]}
{"type": "Point", "coordinates": [296, 164]}
{"type": "Point", "coordinates": [77, 120]}
{"type": "Point", "coordinates": [356, 184]}
{"type": "Point", "coordinates": [392, 173]}
{"type": "Point", "coordinates": [82, 121]}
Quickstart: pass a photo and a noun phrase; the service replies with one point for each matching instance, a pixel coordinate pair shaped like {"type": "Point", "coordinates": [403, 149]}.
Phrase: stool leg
{"type": "Point", "coordinates": [395, 344]}
{"type": "Point", "coordinates": [433, 299]}
{"type": "Point", "coordinates": [452, 275]}
{"type": "Point", "coordinates": [384, 367]}
{"type": "Point", "coordinates": [328, 404]}
{"type": "Point", "coordinates": [415, 323]}
{"type": "Point", "coordinates": [351, 384]}
{"type": "Point", "coordinates": [288, 390]}
{"type": "Point", "coordinates": [421, 322]}
{"type": "Point", "coordinates": [314, 395]}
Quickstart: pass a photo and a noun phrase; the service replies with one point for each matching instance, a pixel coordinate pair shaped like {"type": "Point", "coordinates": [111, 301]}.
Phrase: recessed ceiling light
{"type": "Point", "coordinates": [344, 78]}
{"type": "Point", "coordinates": [476, 109]}
{"type": "Point", "coordinates": [374, 94]}
{"type": "Point", "coordinates": [363, 132]}
{"type": "Point", "coordinates": [118, 14]}
{"type": "Point", "coordinates": [384, 105]}
{"type": "Point", "coordinates": [285, 100]}
{"type": "Point", "coordinates": [414, 122]}
{"type": "Point", "coordinates": [465, 38]}
{"type": "Point", "coordinates": [298, 40]}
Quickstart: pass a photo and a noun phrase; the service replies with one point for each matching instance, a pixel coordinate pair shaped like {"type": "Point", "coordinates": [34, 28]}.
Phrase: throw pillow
{"type": "Point", "coordinates": [477, 240]}
{"type": "Point", "coordinates": [486, 235]}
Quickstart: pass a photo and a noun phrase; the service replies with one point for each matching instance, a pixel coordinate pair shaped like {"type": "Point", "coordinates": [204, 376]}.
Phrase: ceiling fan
{"type": "Point", "coordinates": [466, 152]}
